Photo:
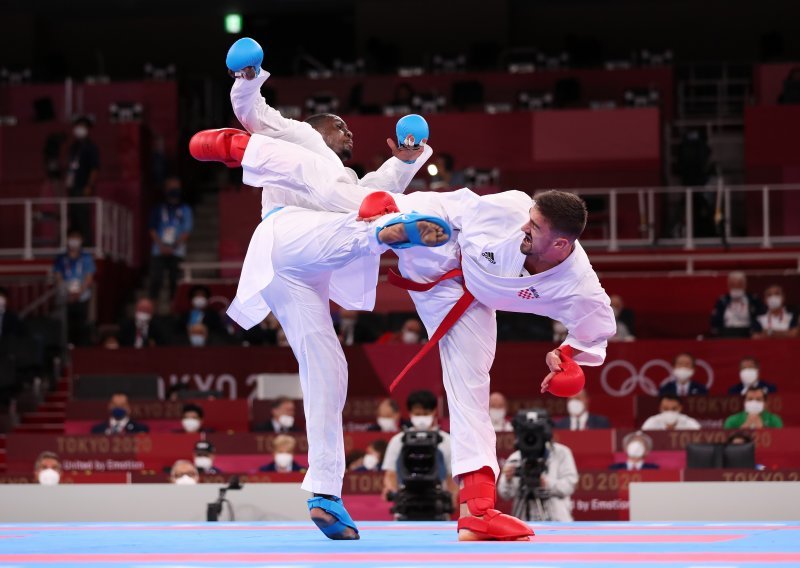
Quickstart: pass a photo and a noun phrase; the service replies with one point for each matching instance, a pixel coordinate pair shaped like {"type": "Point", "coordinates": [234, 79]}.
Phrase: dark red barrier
{"type": "Point", "coordinates": [768, 81]}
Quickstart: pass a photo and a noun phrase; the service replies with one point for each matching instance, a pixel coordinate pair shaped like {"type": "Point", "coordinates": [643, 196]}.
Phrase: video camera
{"type": "Point", "coordinates": [421, 496]}
{"type": "Point", "coordinates": [534, 431]}
{"type": "Point", "coordinates": [214, 510]}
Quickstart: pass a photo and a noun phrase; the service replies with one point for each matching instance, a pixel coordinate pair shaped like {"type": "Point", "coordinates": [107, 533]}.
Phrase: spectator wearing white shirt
{"type": "Point", "coordinates": [777, 321]}
{"type": "Point", "coordinates": [671, 416]}
{"type": "Point", "coordinates": [498, 410]}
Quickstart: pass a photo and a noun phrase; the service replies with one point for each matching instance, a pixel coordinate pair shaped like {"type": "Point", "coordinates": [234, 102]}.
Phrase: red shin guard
{"type": "Point", "coordinates": [479, 493]}
{"type": "Point", "coordinates": [377, 203]}
{"type": "Point", "coordinates": [226, 145]}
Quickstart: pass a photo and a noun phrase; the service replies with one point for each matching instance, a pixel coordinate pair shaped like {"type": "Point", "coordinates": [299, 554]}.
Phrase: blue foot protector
{"type": "Point", "coordinates": [333, 506]}
{"type": "Point", "coordinates": [410, 221]}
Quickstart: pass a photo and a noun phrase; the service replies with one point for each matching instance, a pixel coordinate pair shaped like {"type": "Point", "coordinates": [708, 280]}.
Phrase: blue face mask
{"type": "Point", "coordinates": [118, 413]}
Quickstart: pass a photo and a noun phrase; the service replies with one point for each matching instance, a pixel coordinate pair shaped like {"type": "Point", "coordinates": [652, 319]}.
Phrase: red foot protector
{"type": "Point", "coordinates": [226, 145]}
{"type": "Point", "coordinates": [479, 494]}
{"type": "Point", "coordinates": [570, 381]}
{"type": "Point", "coordinates": [377, 203]}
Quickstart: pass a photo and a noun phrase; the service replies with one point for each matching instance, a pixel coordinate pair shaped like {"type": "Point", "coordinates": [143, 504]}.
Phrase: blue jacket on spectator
{"type": "Point", "coordinates": [672, 388]}
{"type": "Point", "coordinates": [171, 221]}
{"type": "Point", "coordinates": [740, 389]}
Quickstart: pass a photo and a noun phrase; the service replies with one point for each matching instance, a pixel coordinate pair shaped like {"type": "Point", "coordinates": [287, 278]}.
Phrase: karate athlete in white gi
{"type": "Point", "coordinates": [519, 255]}
{"type": "Point", "coordinates": [303, 254]}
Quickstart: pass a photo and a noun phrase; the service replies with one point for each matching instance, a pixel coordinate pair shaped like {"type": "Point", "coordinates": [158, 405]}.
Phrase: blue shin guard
{"type": "Point", "coordinates": [334, 507]}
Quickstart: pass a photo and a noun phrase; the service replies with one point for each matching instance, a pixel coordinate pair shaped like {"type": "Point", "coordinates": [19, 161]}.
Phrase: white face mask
{"type": "Point", "coordinates": [635, 450]}
{"type": "Point", "coordinates": [737, 293]}
{"type": "Point", "coordinates": [498, 415]}
{"type": "Point", "coordinates": [49, 476]}
{"type": "Point", "coordinates": [754, 406]}
{"type": "Point", "coordinates": [286, 420]}
{"type": "Point", "coordinates": [575, 407]}
{"type": "Point", "coordinates": [670, 416]}
{"type": "Point", "coordinates": [283, 460]}
{"type": "Point", "coordinates": [410, 337]}
{"type": "Point", "coordinates": [199, 302]}
{"type": "Point", "coordinates": [774, 302]}
{"type": "Point", "coordinates": [80, 131]}
{"type": "Point", "coordinates": [748, 376]}
{"type": "Point", "coordinates": [191, 424]}
{"type": "Point", "coordinates": [142, 318]}
{"type": "Point", "coordinates": [185, 480]}
{"type": "Point", "coordinates": [683, 374]}
{"type": "Point", "coordinates": [197, 340]}
{"type": "Point", "coordinates": [387, 424]}
{"type": "Point", "coordinates": [203, 462]}
{"type": "Point", "coordinates": [74, 244]}
{"type": "Point", "coordinates": [423, 422]}
{"type": "Point", "coordinates": [370, 461]}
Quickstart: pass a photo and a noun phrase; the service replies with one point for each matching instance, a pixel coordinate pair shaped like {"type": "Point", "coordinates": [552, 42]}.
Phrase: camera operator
{"type": "Point", "coordinates": [422, 412]}
{"type": "Point", "coordinates": [541, 475]}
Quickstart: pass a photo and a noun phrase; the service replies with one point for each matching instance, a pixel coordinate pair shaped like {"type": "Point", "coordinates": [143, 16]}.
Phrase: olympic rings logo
{"type": "Point", "coordinates": [615, 386]}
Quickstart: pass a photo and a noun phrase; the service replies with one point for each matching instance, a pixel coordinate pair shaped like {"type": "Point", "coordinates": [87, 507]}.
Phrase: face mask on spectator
{"type": "Point", "coordinates": [49, 476]}
{"type": "Point", "coordinates": [575, 407]}
{"type": "Point", "coordinates": [203, 462]}
{"type": "Point", "coordinates": [423, 422]}
{"type": "Point", "coordinates": [737, 293]}
{"type": "Point", "coordinates": [683, 374]}
{"type": "Point", "coordinates": [199, 302]}
{"type": "Point", "coordinates": [748, 376]}
{"type": "Point", "coordinates": [498, 415]}
{"type": "Point", "coordinates": [774, 302]}
{"type": "Point", "coordinates": [197, 340]}
{"type": "Point", "coordinates": [186, 480]}
{"type": "Point", "coordinates": [74, 244]}
{"type": "Point", "coordinates": [283, 460]}
{"type": "Point", "coordinates": [635, 450]}
{"type": "Point", "coordinates": [2, 305]}
{"type": "Point", "coordinates": [190, 424]}
{"type": "Point", "coordinates": [118, 413]}
{"type": "Point", "coordinates": [142, 318]}
{"type": "Point", "coordinates": [387, 424]}
{"type": "Point", "coordinates": [370, 461]}
{"type": "Point", "coordinates": [670, 416]}
{"type": "Point", "coordinates": [410, 337]}
{"type": "Point", "coordinates": [754, 406]}
{"type": "Point", "coordinates": [286, 420]}
{"type": "Point", "coordinates": [80, 131]}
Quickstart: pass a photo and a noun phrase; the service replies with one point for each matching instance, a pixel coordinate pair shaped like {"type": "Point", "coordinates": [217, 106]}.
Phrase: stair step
{"type": "Point", "coordinates": [56, 406]}
{"type": "Point", "coordinates": [39, 429]}
{"type": "Point", "coordinates": [43, 418]}
{"type": "Point", "coordinates": [58, 397]}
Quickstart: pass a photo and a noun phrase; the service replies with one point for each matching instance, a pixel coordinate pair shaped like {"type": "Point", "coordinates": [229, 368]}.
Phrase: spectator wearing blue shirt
{"type": "Point", "coordinates": [170, 227]}
{"type": "Point", "coordinates": [74, 271]}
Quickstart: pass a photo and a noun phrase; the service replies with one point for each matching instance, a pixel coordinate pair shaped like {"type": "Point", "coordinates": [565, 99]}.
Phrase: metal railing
{"type": "Point", "coordinates": [44, 224]}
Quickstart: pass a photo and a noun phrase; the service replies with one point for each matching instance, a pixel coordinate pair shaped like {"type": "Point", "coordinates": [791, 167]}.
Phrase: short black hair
{"type": "Point", "coordinates": [316, 120]}
{"type": "Point", "coordinates": [83, 119]}
{"type": "Point", "coordinates": [4, 292]}
{"type": "Point", "coordinates": [689, 355]}
{"type": "Point", "coordinates": [756, 388]}
{"type": "Point", "coordinates": [193, 408]}
{"type": "Point", "coordinates": [668, 396]}
{"type": "Point", "coordinates": [393, 404]}
{"type": "Point", "coordinates": [743, 435]}
{"type": "Point", "coordinates": [424, 398]}
{"type": "Point", "coordinates": [753, 359]}
{"type": "Point", "coordinates": [199, 288]}
{"type": "Point", "coordinates": [566, 212]}
{"type": "Point", "coordinates": [74, 231]}
{"type": "Point", "coordinates": [280, 400]}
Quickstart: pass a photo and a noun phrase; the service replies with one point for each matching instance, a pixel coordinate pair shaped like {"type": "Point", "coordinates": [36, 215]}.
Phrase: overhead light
{"type": "Point", "coordinates": [233, 23]}
{"type": "Point", "coordinates": [432, 169]}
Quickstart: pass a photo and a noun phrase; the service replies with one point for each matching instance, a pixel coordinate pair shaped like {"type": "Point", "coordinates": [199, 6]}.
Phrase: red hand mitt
{"type": "Point", "coordinates": [571, 379]}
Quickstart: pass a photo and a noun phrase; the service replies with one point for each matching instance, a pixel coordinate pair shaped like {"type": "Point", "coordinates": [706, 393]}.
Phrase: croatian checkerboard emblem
{"type": "Point", "coordinates": [528, 293]}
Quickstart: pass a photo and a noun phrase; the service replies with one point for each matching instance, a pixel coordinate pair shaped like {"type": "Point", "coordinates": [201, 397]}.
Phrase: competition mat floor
{"type": "Point", "coordinates": [170, 545]}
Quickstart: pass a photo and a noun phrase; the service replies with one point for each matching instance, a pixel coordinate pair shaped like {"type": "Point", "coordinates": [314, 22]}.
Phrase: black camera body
{"type": "Point", "coordinates": [214, 510]}
{"type": "Point", "coordinates": [534, 431]}
{"type": "Point", "coordinates": [421, 496]}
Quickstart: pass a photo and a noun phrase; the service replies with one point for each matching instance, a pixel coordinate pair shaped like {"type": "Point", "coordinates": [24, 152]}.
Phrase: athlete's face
{"type": "Point", "coordinates": [537, 238]}
{"type": "Point", "coordinates": [337, 136]}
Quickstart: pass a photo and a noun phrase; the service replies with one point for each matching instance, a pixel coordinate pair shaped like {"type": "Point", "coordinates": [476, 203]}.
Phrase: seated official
{"type": "Point", "coordinates": [184, 472]}
{"type": "Point", "coordinates": [204, 458]}
{"type": "Point", "coordinates": [680, 382]}
{"type": "Point", "coordinates": [283, 447]}
{"type": "Point", "coordinates": [372, 460]}
{"type": "Point", "coordinates": [638, 446]}
{"type": "Point", "coordinates": [282, 420]}
{"type": "Point", "coordinates": [670, 416]}
{"type": "Point", "coordinates": [119, 421]}
{"type": "Point", "coordinates": [579, 417]}
{"type": "Point", "coordinates": [750, 376]}
{"type": "Point", "coordinates": [755, 414]}
{"type": "Point", "coordinates": [498, 412]}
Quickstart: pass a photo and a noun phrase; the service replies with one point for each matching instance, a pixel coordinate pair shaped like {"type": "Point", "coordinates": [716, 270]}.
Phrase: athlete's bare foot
{"type": "Point", "coordinates": [430, 233]}
{"type": "Point", "coordinates": [324, 519]}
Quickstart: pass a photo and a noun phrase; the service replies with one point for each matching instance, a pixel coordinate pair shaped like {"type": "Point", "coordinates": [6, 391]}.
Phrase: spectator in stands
{"type": "Point", "coordinates": [143, 330]}
{"type": "Point", "coordinates": [82, 169]}
{"type": "Point", "coordinates": [282, 420]}
{"type": "Point", "coordinates": [351, 329]}
{"type": "Point", "coordinates": [680, 382]}
{"type": "Point", "coordinates": [422, 410]}
{"type": "Point", "coordinates": [625, 319]}
{"type": "Point", "coordinates": [637, 447]}
{"type": "Point", "coordinates": [443, 175]}
{"type": "Point", "coordinates": [283, 461]}
{"type": "Point", "coordinates": [265, 333]}
{"type": "Point", "coordinates": [372, 458]}
{"type": "Point", "coordinates": [171, 224]}
{"type": "Point", "coordinates": [184, 472]}
{"type": "Point", "coordinates": [498, 411]}
{"type": "Point", "coordinates": [200, 312]}
{"type": "Point", "coordinates": [192, 419]}
{"type": "Point", "coordinates": [735, 313]}
{"type": "Point", "coordinates": [777, 321]}
{"type": "Point", "coordinates": [198, 335]}
{"type": "Point", "coordinates": [579, 417]}
{"type": "Point", "coordinates": [749, 371]}
{"type": "Point", "coordinates": [755, 414]}
{"type": "Point", "coordinates": [410, 334]}
{"type": "Point", "coordinates": [109, 341]}
{"type": "Point", "coordinates": [670, 416]}
{"type": "Point", "coordinates": [387, 417]}
{"type": "Point", "coordinates": [119, 422]}
{"type": "Point", "coordinates": [204, 458]}
{"type": "Point", "coordinates": [47, 469]}
{"type": "Point", "coordinates": [74, 271]}
{"type": "Point", "coordinates": [10, 324]}
{"type": "Point", "coordinates": [556, 485]}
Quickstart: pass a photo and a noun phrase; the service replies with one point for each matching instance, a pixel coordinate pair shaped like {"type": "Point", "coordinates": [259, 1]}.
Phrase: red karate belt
{"type": "Point", "coordinates": [449, 320]}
